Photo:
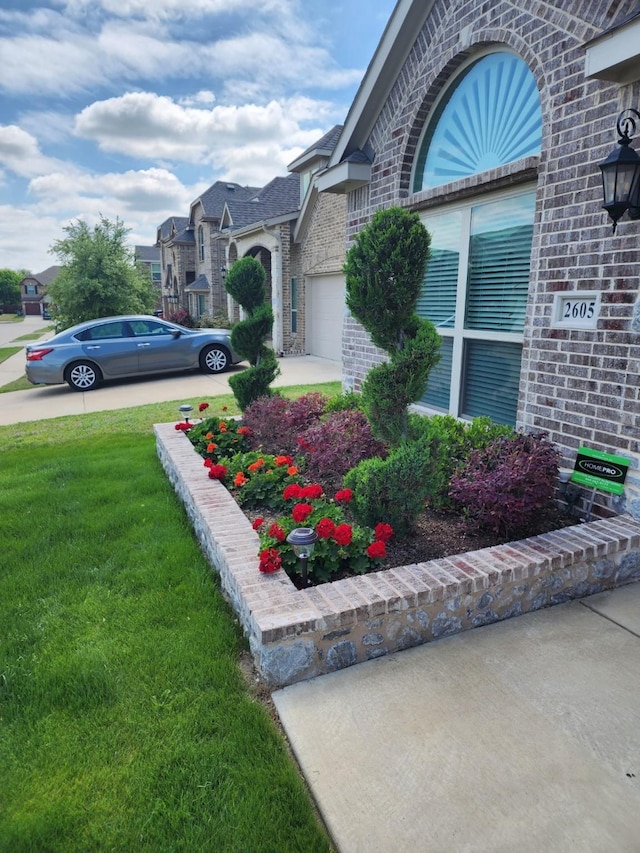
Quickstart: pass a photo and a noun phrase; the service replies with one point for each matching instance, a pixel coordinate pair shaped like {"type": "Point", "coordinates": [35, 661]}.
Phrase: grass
{"type": "Point", "coordinates": [125, 722]}
{"type": "Point", "coordinates": [34, 336]}
{"type": "Point", "coordinates": [7, 352]}
{"type": "Point", "coordinates": [20, 384]}
{"type": "Point", "coordinates": [11, 318]}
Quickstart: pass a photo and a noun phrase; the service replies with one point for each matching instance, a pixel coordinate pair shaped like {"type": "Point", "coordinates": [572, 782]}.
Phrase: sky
{"type": "Point", "coordinates": [130, 109]}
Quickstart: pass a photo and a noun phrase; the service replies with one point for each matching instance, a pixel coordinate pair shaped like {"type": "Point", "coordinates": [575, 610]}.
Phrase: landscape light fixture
{"type": "Point", "coordinates": [184, 411]}
{"type": "Point", "coordinates": [621, 172]}
{"type": "Point", "coordinates": [303, 540]}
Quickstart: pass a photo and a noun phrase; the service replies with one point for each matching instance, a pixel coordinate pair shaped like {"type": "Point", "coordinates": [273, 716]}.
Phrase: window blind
{"type": "Point", "coordinates": [490, 380]}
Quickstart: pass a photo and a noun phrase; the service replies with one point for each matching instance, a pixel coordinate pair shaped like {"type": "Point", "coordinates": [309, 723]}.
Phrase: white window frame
{"type": "Point", "coordinates": [458, 332]}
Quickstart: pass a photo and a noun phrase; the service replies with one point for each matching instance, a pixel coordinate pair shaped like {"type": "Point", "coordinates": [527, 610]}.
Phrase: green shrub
{"type": "Point", "coordinates": [254, 382]}
{"type": "Point", "coordinates": [450, 441]}
{"type": "Point", "coordinates": [384, 271]}
{"type": "Point", "coordinates": [394, 489]}
{"type": "Point", "coordinates": [342, 402]}
{"type": "Point", "coordinates": [245, 282]}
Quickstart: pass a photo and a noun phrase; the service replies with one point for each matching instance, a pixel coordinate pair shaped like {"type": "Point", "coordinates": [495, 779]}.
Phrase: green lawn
{"type": "Point", "coordinates": [7, 352]}
{"type": "Point", "coordinates": [125, 722]}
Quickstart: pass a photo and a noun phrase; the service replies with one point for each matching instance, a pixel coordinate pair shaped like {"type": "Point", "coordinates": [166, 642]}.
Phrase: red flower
{"type": "Point", "coordinates": [293, 490]}
{"type": "Point", "coordinates": [343, 534]}
{"type": "Point", "coordinates": [270, 561]}
{"type": "Point", "coordinates": [377, 550]}
{"type": "Point", "coordinates": [224, 408]}
{"type": "Point", "coordinates": [256, 466]}
{"type": "Point", "coordinates": [383, 532]}
{"type": "Point", "coordinates": [258, 523]}
{"type": "Point", "coordinates": [184, 427]}
{"type": "Point", "coordinates": [243, 430]}
{"type": "Point", "coordinates": [208, 463]}
{"type": "Point", "coordinates": [211, 447]}
{"type": "Point", "coordinates": [284, 460]}
{"type": "Point", "coordinates": [301, 512]}
{"type": "Point", "coordinates": [203, 406]}
{"type": "Point", "coordinates": [325, 528]}
{"type": "Point", "coordinates": [239, 479]}
{"type": "Point", "coordinates": [312, 492]}
{"type": "Point", "coordinates": [222, 426]}
{"type": "Point", "coordinates": [217, 472]}
{"type": "Point", "coordinates": [292, 470]}
{"type": "Point", "coordinates": [344, 496]}
{"type": "Point", "coordinates": [277, 532]}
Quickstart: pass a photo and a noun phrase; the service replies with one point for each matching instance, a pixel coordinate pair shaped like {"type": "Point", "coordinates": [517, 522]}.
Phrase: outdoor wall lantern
{"type": "Point", "coordinates": [621, 172]}
{"type": "Point", "coordinates": [303, 540]}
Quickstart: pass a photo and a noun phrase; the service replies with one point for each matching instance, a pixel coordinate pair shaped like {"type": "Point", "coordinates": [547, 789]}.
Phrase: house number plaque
{"type": "Point", "coordinates": [576, 309]}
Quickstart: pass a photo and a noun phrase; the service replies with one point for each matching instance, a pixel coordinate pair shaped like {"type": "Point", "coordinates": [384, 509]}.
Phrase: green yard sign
{"type": "Point", "coordinates": [600, 470]}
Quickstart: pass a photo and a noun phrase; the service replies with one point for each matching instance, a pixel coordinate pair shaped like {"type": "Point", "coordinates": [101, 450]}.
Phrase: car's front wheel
{"type": "Point", "coordinates": [214, 359]}
{"type": "Point", "coordinates": [83, 376]}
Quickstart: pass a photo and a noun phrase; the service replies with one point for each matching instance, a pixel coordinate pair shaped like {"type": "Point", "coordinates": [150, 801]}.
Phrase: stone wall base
{"type": "Point", "coordinates": [299, 634]}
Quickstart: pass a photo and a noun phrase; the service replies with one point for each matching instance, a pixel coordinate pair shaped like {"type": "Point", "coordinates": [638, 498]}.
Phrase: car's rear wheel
{"type": "Point", "coordinates": [83, 376]}
{"type": "Point", "coordinates": [214, 359]}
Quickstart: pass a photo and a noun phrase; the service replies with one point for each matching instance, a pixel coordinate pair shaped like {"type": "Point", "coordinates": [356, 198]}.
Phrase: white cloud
{"type": "Point", "coordinates": [143, 124]}
{"type": "Point", "coordinates": [20, 153]}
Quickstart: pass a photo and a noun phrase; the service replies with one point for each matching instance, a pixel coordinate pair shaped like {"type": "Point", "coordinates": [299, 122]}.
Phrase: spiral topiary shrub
{"type": "Point", "coordinates": [384, 271]}
{"type": "Point", "coordinates": [245, 283]}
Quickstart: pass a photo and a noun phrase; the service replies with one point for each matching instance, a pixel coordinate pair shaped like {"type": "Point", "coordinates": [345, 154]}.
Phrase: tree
{"type": "Point", "coordinates": [99, 277]}
{"type": "Point", "coordinates": [384, 270]}
{"type": "Point", "coordinates": [245, 283]}
{"type": "Point", "coordinates": [10, 287]}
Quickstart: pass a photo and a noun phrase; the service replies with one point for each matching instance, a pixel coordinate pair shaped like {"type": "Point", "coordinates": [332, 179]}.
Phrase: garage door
{"type": "Point", "coordinates": [325, 315]}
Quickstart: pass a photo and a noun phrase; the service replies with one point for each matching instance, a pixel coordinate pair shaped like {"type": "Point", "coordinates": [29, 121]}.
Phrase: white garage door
{"type": "Point", "coordinates": [325, 315]}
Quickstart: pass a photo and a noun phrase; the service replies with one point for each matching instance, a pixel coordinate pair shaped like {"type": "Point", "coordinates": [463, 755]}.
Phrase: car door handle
{"type": "Point", "coordinates": [144, 345]}
{"type": "Point", "coordinates": [95, 346]}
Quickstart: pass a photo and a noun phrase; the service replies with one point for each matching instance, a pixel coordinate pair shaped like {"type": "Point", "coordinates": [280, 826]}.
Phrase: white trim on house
{"type": "Point", "coordinates": [615, 55]}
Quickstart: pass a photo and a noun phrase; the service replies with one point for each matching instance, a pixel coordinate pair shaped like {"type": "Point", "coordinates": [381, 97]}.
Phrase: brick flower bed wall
{"type": "Point", "coordinates": [298, 634]}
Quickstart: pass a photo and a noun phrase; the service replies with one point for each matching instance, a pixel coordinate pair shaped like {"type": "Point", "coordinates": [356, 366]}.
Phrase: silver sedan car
{"type": "Point", "coordinates": [117, 347]}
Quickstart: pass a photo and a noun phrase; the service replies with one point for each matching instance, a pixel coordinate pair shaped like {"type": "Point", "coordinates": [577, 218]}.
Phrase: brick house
{"type": "Point", "coordinates": [297, 234]}
{"type": "Point", "coordinates": [33, 291]}
{"type": "Point", "coordinates": [490, 120]}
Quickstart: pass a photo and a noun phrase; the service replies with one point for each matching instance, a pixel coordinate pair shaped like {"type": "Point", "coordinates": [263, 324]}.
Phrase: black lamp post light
{"type": "Point", "coordinates": [303, 540]}
{"type": "Point", "coordinates": [621, 171]}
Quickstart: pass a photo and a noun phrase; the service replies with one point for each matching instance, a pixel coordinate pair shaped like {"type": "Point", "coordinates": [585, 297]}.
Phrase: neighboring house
{"type": "Point", "coordinates": [174, 239]}
{"type": "Point", "coordinates": [262, 226]}
{"type": "Point", "coordinates": [490, 120]}
{"type": "Point", "coordinates": [149, 257]}
{"type": "Point", "coordinates": [33, 291]}
{"type": "Point", "coordinates": [296, 234]}
{"type": "Point", "coordinates": [206, 295]}
{"type": "Point", "coordinates": [317, 293]}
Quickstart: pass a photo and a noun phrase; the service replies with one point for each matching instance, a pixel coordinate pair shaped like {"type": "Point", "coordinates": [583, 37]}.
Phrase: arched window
{"type": "Point", "coordinates": [476, 284]}
{"type": "Point", "coordinates": [490, 116]}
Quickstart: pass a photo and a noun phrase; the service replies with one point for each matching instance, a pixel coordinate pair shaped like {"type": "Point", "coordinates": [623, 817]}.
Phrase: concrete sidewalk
{"type": "Point", "coordinates": [519, 736]}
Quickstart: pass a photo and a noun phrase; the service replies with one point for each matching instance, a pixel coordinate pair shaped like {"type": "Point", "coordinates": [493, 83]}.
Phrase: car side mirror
{"type": "Point", "coordinates": [175, 333]}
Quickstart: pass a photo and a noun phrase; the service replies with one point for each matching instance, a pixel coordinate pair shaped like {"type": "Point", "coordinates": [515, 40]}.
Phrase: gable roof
{"type": "Point", "coordinates": [46, 276]}
{"type": "Point", "coordinates": [214, 199]}
{"type": "Point", "coordinates": [322, 149]}
{"type": "Point", "coordinates": [407, 19]}
{"type": "Point", "coordinates": [147, 253]}
{"type": "Point", "coordinates": [279, 198]}
{"type": "Point", "coordinates": [172, 224]}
